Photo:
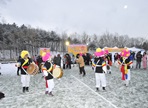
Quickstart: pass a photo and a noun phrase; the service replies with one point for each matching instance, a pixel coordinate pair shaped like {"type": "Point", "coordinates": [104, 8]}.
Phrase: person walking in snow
{"type": "Point", "coordinates": [138, 59]}
{"type": "Point", "coordinates": [81, 63]}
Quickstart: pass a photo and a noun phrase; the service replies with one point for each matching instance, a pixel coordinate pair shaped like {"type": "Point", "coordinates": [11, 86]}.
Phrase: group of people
{"type": "Point", "coordinates": [101, 65]}
{"type": "Point", "coordinates": [141, 60]}
{"type": "Point", "coordinates": [102, 61]}
{"type": "Point", "coordinates": [46, 64]}
{"type": "Point", "coordinates": [47, 67]}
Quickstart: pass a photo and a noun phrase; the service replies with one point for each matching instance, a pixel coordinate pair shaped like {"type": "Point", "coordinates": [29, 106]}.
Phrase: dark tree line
{"type": "Point", "coordinates": [15, 39]}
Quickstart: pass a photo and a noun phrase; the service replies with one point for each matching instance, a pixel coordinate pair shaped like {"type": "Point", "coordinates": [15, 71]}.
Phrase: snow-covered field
{"type": "Point", "coordinates": [75, 91]}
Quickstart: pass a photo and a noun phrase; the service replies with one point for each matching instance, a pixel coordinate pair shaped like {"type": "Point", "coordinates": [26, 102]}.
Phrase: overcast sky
{"type": "Point", "coordinates": [91, 16]}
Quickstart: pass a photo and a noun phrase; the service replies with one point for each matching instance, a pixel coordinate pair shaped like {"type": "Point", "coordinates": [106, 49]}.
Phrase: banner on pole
{"type": "Point", "coordinates": [75, 49]}
{"type": "Point", "coordinates": [42, 50]}
{"type": "Point", "coordinates": [115, 49]}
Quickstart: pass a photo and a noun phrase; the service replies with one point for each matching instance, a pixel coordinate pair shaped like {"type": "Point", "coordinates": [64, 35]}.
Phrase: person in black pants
{"type": "Point", "coordinates": [68, 61]}
{"type": "Point", "coordinates": [81, 63]}
{"type": "Point", "coordinates": [64, 61]}
{"type": "Point", "coordinates": [58, 60]}
{"type": "Point", "coordinates": [138, 60]}
{"type": "Point", "coordinates": [18, 68]}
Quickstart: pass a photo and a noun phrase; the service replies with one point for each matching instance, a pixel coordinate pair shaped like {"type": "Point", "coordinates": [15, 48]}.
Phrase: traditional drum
{"type": "Point", "coordinates": [41, 65]}
{"type": "Point", "coordinates": [32, 69]}
{"type": "Point", "coordinates": [57, 72]}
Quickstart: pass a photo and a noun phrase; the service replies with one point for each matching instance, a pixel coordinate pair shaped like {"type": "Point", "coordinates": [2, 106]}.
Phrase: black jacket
{"type": "Point", "coordinates": [24, 67]}
{"type": "Point", "coordinates": [138, 57]}
{"type": "Point", "coordinates": [48, 65]}
{"type": "Point", "coordinates": [99, 68]}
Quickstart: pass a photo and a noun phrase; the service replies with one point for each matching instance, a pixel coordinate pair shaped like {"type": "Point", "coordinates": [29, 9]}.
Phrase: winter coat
{"type": "Point", "coordinates": [99, 64]}
{"type": "Point", "coordinates": [80, 60]}
{"type": "Point", "coordinates": [139, 57]}
{"type": "Point", "coordinates": [48, 66]}
{"type": "Point", "coordinates": [58, 61]}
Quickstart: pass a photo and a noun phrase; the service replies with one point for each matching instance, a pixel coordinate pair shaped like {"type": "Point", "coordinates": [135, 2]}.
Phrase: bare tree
{"type": "Point", "coordinates": [85, 38]}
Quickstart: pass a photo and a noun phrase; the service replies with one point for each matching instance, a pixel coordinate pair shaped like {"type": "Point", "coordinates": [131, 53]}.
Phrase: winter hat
{"type": "Point", "coordinates": [45, 56]}
{"type": "Point", "coordinates": [24, 53]}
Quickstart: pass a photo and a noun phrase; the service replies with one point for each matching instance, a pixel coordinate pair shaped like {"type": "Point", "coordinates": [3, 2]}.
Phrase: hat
{"type": "Point", "coordinates": [103, 53]}
{"type": "Point", "coordinates": [106, 51]}
{"type": "Point", "coordinates": [45, 56]}
{"type": "Point", "coordinates": [125, 53]}
{"type": "Point", "coordinates": [98, 52]}
{"type": "Point", "coordinates": [24, 53]}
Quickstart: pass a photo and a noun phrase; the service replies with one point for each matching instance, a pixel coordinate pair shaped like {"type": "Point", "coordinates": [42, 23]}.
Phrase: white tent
{"type": "Point", "coordinates": [134, 49]}
{"type": "Point", "coordinates": [115, 47]}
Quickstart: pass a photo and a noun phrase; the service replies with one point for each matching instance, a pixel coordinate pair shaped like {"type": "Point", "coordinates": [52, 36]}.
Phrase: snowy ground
{"type": "Point", "coordinates": [75, 91]}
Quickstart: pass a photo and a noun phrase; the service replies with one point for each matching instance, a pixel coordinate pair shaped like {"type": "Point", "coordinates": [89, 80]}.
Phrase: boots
{"type": "Point", "coordinates": [97, 89]}
{"type": "Point", "coordinates": [83, 75]}
{"type": "Point", "coordinates": [50, 94]}
{"type": "Point", "coordinates": [23, 89]}
{"type": "Point", "coordinates": [103, 88]}
{"type": "Point", "coordinates": [46, 92]}
{"type": "Point", "coordinates": [27, 89]}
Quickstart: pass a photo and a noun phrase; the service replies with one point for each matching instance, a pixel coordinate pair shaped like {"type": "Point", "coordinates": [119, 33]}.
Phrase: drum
{"type": "Point", "coordinates": [57, 72]}
{"type": "Point", "coordinates": [32, 69]}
